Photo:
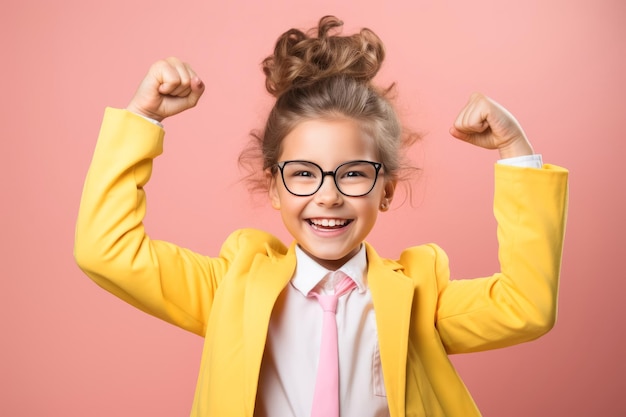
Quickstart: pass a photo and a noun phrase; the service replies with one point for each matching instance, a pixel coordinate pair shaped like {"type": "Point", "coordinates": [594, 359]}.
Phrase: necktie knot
{"type": "Point", "coordinates": [329, 301]}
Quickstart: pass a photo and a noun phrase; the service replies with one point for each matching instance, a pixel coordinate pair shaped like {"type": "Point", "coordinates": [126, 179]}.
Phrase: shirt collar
{"type": "Point", "coordinates": [309, 273]}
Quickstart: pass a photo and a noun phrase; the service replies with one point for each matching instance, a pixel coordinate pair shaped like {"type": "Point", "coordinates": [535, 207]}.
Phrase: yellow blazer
{"type": "Point", "coordinates": [421, 315]}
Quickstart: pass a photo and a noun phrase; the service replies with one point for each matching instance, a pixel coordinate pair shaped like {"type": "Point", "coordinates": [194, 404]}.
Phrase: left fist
{"type": "Point", "coordinates": [485, 123]}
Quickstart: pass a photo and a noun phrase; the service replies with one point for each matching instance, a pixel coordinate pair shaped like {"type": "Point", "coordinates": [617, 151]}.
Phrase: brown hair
{"type": "Point", "coordinates": [326, 76]}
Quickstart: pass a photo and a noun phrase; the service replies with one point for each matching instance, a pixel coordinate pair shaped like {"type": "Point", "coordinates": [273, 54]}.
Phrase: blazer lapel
{"type": "Point", "coordinates": [268, 276]}
{"type": "Point", "coordinates": [392, 294]}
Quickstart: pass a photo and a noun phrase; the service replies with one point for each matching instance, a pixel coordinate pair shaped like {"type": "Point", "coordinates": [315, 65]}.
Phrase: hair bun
{"type": "Point", "coordinates": [300, 59]}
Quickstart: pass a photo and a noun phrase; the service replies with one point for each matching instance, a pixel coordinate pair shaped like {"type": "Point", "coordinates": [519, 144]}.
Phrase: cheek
{"type": "Point", "coordinates": [369, 207]}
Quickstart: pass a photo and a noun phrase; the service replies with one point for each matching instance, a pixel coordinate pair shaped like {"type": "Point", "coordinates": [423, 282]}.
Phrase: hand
{"type": "Point", "coordinates": [170, 87]}
{"type": "Point", "coordinates": [485, 123]}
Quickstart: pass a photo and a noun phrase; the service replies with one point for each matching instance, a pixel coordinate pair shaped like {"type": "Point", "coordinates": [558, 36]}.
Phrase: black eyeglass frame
{"type": "Point", "coordinates": [377, 166]}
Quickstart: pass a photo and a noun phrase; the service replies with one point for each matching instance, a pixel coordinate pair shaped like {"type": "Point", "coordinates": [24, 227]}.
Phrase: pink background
{"type": "Point", "coordinates": [68, 348]}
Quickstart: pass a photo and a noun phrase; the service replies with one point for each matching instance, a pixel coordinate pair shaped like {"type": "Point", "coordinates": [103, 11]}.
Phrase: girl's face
{"type": "Point", "coordinates": [328, 225]}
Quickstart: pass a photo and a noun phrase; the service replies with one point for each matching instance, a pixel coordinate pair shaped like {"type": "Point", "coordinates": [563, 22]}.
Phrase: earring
{"type": "Point", "coordinates": [383, 206]}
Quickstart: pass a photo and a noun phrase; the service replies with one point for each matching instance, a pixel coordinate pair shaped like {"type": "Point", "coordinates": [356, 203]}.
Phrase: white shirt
{"type": "Point", "coordinates": [289, 369]}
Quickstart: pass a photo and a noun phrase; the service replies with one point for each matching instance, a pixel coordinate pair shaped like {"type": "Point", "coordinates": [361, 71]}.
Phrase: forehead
{"type": "Point", "coordinates": [328, 142]}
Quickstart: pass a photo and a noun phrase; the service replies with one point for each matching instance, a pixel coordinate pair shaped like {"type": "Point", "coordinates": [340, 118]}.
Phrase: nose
{"type": "Point", "coordinates": [328, 194]}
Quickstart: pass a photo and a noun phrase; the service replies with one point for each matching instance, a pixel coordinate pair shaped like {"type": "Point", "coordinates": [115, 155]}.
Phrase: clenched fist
{"type": "Point", "coordinates": [485, 123]}
{"type": "Point", "coordinates": [170, 87]}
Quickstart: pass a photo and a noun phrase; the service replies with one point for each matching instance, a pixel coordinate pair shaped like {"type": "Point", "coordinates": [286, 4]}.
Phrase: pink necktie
{"type": "Point", "coordinates": [326, 397]}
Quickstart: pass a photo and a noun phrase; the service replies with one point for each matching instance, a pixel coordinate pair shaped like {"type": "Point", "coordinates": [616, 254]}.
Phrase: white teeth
{"type": "Point", "coordinates": [328, 222]}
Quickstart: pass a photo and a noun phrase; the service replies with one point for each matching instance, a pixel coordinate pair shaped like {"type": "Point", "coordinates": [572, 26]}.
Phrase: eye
{"type": "Point", "coordinates": [300, 170]}
{"type": "Point", "coordinates": [302, 173]}
{"type": "Point", "coordinates": [354, 173]}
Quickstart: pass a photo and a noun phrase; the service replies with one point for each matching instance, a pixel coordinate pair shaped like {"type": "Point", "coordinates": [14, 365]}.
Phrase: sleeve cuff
{"type": "Point", "coordinates": [526, 161]}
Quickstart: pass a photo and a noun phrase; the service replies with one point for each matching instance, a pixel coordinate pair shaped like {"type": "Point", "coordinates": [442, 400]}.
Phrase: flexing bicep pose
{"type": "Point", "coordinates": [324, 326]}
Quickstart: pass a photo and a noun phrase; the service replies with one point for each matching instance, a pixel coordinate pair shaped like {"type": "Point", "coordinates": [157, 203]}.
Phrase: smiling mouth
{"type": "Point", "coordinates": [328, 224]}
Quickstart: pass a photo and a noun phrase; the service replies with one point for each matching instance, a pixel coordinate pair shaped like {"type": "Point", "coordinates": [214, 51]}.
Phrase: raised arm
{"type": "Point", "coordinates": [519, 303]}
{"type": "Point", "coordinates": [111, 245]}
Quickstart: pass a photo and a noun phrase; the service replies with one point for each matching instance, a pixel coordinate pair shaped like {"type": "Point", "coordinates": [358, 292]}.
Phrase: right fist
{"type": "Point", "coordinates": [170, 87]}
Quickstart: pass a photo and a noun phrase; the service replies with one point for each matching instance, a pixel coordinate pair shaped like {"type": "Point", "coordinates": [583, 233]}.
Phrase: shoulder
{"type": "Point", "coordinates": [250, 242]}
{"type": "Point", "coordinates": [414, 260]}
{"type": "Point", "coordinates": [426, 266]}
{"type": "Point", "coordinates": [428, 255]}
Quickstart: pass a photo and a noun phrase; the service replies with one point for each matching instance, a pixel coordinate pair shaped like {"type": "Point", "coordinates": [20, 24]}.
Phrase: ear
{"type": "Point", "coordinates": [273, 189]}
{"type": "Point", "coordinates": [389, 190]}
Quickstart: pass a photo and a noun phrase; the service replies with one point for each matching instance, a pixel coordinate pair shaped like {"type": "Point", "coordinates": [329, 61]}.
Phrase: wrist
{"type": "Point", "coordinates": [520, 147]}
{"type": "Point", "coordinates": [148, 115]}
{"type": "Point", "coordinates": [142, 115]}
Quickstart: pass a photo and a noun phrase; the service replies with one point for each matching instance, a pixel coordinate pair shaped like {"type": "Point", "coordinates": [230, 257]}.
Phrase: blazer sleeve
{"type": "Point", "coordinates": [111, 245]}
{"type": "Point", "coordinates": [519, 303]}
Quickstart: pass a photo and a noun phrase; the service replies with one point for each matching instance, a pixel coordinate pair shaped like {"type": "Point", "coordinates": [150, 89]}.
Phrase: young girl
{"type": "Point", "coordinates": [331, 162]}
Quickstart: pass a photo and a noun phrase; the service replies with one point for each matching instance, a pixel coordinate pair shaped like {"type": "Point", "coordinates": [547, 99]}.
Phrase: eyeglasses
{"type": "Point", "coordinates": [353, 179]}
